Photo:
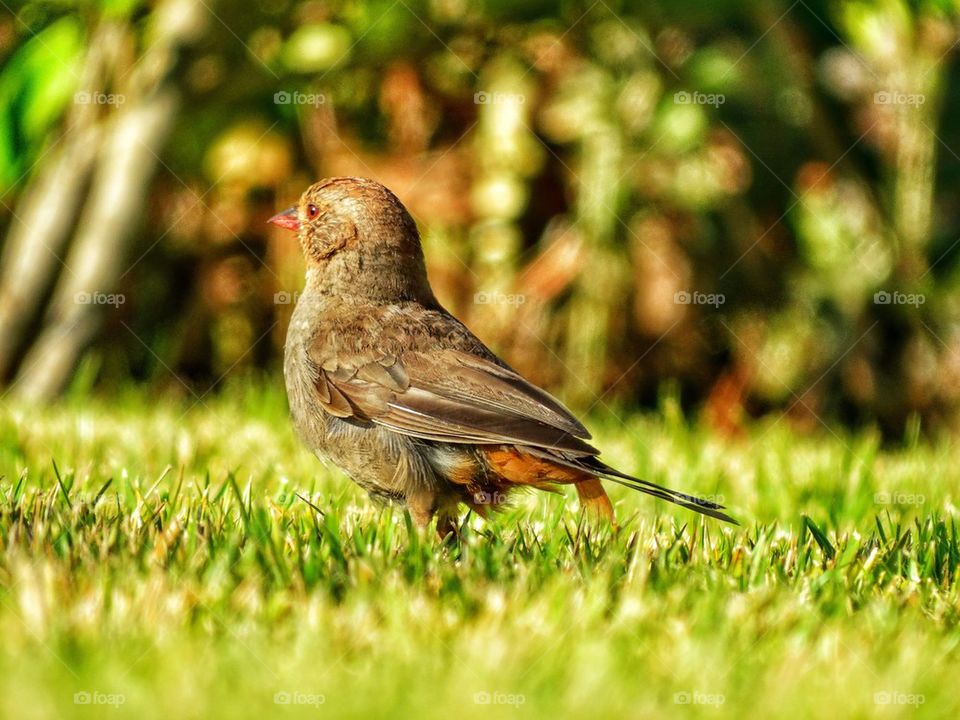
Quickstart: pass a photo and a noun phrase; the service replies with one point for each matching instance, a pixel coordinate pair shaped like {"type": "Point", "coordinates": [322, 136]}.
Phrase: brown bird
{"type": "Point", "coordinates": [400, 395]}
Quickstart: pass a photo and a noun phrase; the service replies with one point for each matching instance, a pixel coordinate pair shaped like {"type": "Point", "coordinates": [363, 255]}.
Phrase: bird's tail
{"type": "Point", "coordinates": [595, 466]}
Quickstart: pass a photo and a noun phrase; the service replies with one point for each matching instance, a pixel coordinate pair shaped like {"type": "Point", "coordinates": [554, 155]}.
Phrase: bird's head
{"type": "Point", "coordinates": [358, 239]}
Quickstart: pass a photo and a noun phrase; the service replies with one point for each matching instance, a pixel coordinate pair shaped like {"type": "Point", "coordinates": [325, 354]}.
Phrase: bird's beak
{"type": "Point", "coordinates": [286, 219]}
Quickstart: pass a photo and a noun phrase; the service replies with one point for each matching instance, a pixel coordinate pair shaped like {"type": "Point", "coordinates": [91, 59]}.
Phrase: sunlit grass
{"type": "Point", "coordinates": [188, 559]}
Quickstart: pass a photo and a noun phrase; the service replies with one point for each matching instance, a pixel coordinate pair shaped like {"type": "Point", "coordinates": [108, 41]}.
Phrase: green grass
{"type": "Point", "coordinates": [167, 562]}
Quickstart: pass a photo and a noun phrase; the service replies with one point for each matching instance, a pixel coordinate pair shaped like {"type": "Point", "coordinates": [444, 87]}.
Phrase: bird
{"type": "Point", "coordinates": [387, 385]}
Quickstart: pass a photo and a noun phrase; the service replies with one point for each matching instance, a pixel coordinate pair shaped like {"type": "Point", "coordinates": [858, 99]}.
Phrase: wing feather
{"type": "Point", "coordinates": [449, 396]}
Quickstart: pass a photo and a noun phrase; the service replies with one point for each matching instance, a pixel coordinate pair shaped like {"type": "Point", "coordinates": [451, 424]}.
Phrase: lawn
{"type": "Point", "coordinates": [179, 558]}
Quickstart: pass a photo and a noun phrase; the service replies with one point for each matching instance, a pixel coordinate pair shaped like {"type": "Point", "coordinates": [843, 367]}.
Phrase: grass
{"type": "Point", "coordinates": [156, 561]}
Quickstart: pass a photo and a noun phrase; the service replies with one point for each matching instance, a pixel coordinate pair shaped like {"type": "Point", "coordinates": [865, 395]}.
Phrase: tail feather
{"type": "Point", "coordinates": [595, 466]}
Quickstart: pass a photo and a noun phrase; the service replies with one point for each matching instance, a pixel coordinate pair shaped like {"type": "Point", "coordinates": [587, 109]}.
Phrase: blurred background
{"type": "Point", "coordinates": [754, 202]}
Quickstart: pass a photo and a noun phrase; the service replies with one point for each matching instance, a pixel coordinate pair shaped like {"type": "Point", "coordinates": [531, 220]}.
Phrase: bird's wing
{"type": "Point", "coordinates": [457, 396]}
{"type": "Point", "coordinates": [450, 396]}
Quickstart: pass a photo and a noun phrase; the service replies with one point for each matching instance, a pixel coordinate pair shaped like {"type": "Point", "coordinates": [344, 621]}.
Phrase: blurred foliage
{"type": "Point", "coordinates": [579, 170]}
{"type": "Point", "coordinates": [32, 98]}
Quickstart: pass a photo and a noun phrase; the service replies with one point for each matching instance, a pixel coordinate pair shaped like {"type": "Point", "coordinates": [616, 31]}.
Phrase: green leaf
{"type": "Point", "coordinates": [35, 87]}
{"type": "Point", "coordinates": [820, 537]}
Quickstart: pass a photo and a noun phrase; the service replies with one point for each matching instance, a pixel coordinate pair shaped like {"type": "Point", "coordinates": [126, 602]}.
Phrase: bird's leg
{"type": "Point", "coordinates": [448, 520]}
{"type": "Point", "coordinates": [422, 505]}
{"type": "Point", "coordinates": [425, 504]}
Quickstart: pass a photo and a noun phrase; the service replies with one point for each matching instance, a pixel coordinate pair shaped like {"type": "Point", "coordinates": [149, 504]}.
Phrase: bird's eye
{"type": "Point", "coordinates": [312, 211]}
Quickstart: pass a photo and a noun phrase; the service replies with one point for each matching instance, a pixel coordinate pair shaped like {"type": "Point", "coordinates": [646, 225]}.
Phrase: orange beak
{"type": "Point", "coordinates": [286, 219]}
